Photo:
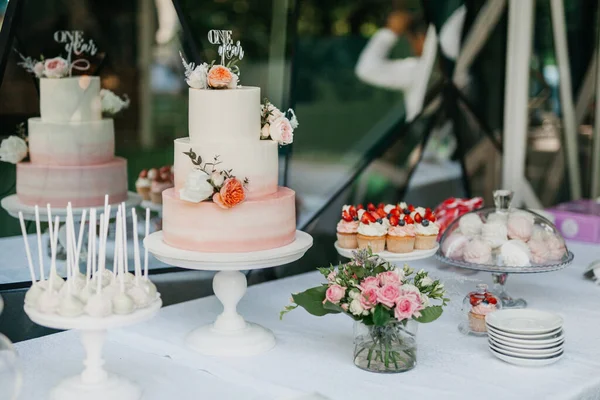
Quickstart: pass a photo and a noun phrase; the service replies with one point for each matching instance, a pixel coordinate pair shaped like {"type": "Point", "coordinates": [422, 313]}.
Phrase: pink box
{"type": "Point", "coordinates": [578, 220]}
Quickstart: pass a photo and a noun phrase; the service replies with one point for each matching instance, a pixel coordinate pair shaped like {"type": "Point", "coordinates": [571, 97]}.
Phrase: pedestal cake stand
{"type": "Point", "coordinates": [500, 275]}
{"type": "Point", "coordinates": [12, 205]}
{"type": "Point", "coordinates": [94, 383]}
{"type": "Point", "coordinates": [230, 334]}
{"type": "Point", "coordinates": [392, 257]}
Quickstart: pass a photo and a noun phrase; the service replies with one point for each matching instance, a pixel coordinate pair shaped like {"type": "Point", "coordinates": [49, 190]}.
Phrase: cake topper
{"type": "Point", "coordinates": [206, 183]}
{"type": "Point", "coordinates": [216, 76]}
{"type": "Point", "coordinates": [58, 67]}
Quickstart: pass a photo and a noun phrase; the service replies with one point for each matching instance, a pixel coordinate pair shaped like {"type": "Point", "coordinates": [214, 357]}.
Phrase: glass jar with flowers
{"type": "Point", "coordinates": [386, 302]}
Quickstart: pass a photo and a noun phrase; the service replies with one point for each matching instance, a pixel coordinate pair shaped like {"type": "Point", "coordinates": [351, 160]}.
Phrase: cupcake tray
{"type": "Point", "coordinates": [393, 257]}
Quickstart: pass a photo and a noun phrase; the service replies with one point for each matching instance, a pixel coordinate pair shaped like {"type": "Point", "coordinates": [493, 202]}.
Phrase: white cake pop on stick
{"type": "Point", "coordinates": [138, 292]}
{"type": "Point", "coordinates": [99, 304]}
{"type": "Point", "coordinates": [50, 300]}
{"type": "Point", "coordinates": [121, 302]}
{"type": "Point", "coordinates": [129, 277]}
{"type": "Point", "coordinates": [58, 280]}
{"type": "Point", "coordinates": [107, 275]}
{"type": "Point", "coordinates": [90, 264]}
{"type": "Point", "coordinates": [70, 306]}
{"type": "Point", "coordinates": [38, 232]}
{"type": "Point", "coordinates": [148, 285]}
{"type": "Point", "coordinates": [78, 274]}
{"type": "Point", "coordinates": [35, 291]}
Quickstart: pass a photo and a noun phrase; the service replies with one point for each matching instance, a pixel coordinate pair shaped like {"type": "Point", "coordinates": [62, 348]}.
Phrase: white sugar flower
{"type": "Point", "coordinates": [197, 78]}
{"type": "Point", "coordinates": [197, 188]}
{"type": "Point", "coordinates": [234, 82]}
{"type": "Point", "coordinates": [264, 132]}
{"type": "Point", "coordinates": [13, 149]}
{"type": "Point", "coordinates": [217, 178]}
{"type": "Point", "coordinates": [38, 69]}
{"type": "Point", "coordinates": [111, 103]}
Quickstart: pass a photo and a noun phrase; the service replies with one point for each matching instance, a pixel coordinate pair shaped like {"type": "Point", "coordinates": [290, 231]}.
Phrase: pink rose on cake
{"type": "Point", "coordinates": [277, 125]}
{"type": "Point", "coordinates": [231, 194]}
{"type": "Point", "coordinates": [221, 77]}
{"type": "Point", "coordinates": [56, 67]}
{"type": "Point", "coordinates": [281, 131]}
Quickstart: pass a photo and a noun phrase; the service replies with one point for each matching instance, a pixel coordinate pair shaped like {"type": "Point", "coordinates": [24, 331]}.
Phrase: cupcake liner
{"type": "Point", "coordinates": [377, 243]}
{"type": "Point", "coordinates": [144, 192]}
{"type": "Point", "coordinates": [477, 322]}
{"type": "Point", "coordinates": [347, 240]}
{"type": "Point", "coordinates": [156, 197]}
{"type": "Point", "coordinates": [425, 242]}
{"type": "Point", "coordinates": [400, 244]}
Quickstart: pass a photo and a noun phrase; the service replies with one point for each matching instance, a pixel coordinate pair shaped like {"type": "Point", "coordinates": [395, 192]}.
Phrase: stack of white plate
{"type": "Point", "coordinates": [526, 337]}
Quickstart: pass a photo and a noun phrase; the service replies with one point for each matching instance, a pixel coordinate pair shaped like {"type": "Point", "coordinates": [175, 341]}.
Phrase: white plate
{"type": "Point", "coordinates": [524, 321]}
{"type": "Point", "coordinates": [393, 257]}
{"type": "Point", "coordinates": [537, 342]}
{"type": "Point", "coordinates": [514, 353]}
{"type": "Point", "coordinates": [545, 351]}
{"type": "Point", "coordinates": [527, 362]}
{"type": "Point", "coordinates": [549, 335]}
{"type": "Point", "coordinates": [527, 346]}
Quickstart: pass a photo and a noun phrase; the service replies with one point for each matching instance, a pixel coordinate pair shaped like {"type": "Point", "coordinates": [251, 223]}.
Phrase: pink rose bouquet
{"type": "Point", "coordinates": [379, 296]}
{"type": "Point", "coordinates": [277, 125]}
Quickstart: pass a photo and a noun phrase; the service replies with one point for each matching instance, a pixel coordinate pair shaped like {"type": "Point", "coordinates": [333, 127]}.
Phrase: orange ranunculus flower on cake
{"type": "Point", "coordinates": [219, 77]}
{"type": "Point", "coordinates": [231, 194]}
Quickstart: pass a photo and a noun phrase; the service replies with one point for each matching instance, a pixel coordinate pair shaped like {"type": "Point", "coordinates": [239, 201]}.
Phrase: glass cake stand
{"type": "Point", "coordinates": [504, 240]}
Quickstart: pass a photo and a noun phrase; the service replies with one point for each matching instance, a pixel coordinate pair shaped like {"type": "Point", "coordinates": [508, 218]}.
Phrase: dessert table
{"type": "Point", "coordinates": [314, 355]}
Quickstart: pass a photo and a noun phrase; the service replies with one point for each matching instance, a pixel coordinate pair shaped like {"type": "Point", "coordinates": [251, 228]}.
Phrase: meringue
{"type": "Point", "coordinates": [478, 251]}
{"type": "Point", "coordinates": [470, 224]}
{"type": "Point", "coordinates": [495, 233]}
{"type": "Point", "coordinates": [520, 226]}
{"type": "Point", "coordinates": [454, 245]}
{"type": "Point", "coordinates": [515, 253]}
{"type": "Point", "coordinates": [539, 251]}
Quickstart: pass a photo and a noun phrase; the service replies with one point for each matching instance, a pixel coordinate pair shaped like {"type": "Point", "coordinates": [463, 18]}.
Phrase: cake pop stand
{"type": "Point", "coordinates": [230, 334]}
{"type": "Point", "coordinates": [12, 205]}
{"type": "Point", "coordinates": [94, 383]}
{"type": "Point", "coordinates": [500, 275]}
{"type": "Point", "coordinates": [392, 257]}
{"type": "Point", "coordinates": [157, 208]}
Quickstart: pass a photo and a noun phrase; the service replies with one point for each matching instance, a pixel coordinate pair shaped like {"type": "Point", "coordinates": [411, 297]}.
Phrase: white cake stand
{"type": "Point", "coordinates": [94, 383]}
{"type": "Point", "coordinates": [392, 257]}
{"type": "Point", "coordinates": [230, 334]}
{"type": "Point", "coordinates": [12, 205]}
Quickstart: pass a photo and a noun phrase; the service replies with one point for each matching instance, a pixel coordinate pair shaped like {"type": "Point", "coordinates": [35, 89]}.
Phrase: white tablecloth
{"type": "Point", "coordinates": [314, 355]}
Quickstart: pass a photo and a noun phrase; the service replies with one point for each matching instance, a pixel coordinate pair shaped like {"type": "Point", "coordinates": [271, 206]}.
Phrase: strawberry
{"type": "Point", "coordinates": [353, 211]}
{"type": "Point", "coordinates": [492, 300]}
{"type": "Point", "coordinates": [143, 173]}
{"type": "Point", "coordinates": [360, 207]}
{"type": "Point", "coordinates": [408, 219]}
{"type": "Point", "coordinates": [373, 216]}
{"type": "Point", "coordinates": [381, 213]}
{"type": "Point", "coordinates": [411, 208]}
{"type": "Point", "coordinates": [395, 212]}
{"type": "Point", "coordinates": [381, 205]}
{"type": "Point", "coordinates": [346, 216]}
{"type": "Point", "coordinates": [418, 218]}
{"type": "Point", "coordinates": [394, 221]}
{"type": "Point", "coordinates": [474, 301]}
{"type": "Point", "coordinates": [365, 219]}
{"type": "Point", "coordinates": [427, 211]}
{"type": "Point", "coordinates": [431, 217]}
{"type": "Point", "coordinates": [371, 207]}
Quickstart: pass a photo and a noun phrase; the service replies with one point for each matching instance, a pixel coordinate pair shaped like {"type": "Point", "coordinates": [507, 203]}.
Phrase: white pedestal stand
{"type": "Point", "coordinates": [392, 257]}
{"type": "Point", "coordinates": [230, 334]}
{"type": "Point", "coordinates": [94, 383]}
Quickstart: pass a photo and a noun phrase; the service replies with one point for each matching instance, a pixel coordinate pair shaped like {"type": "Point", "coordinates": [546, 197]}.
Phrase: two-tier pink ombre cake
{"type": "Point", "coordinates": [227, 123]}
{"type": "Point", "coordinates": [71, 148]}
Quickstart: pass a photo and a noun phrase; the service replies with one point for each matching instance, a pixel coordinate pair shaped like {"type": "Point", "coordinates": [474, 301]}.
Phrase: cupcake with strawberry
{"type": "Point", "coordinates": [401, 233]}
{"type": "Point", "coordinates": [372, 229]}
{"type": "Point", "coordinates": [143, 185]}
{"type": "Point", "coordinates": [347, 228]}
{"type": "Point", "coordinates": [163, 180]}
{"type": "Point", "coordinates": [426, 230]}
{"type": "Point", "coordinates": [482, 303]}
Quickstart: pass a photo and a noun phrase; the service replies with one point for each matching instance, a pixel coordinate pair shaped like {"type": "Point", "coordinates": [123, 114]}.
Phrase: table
{"type": "Point", "coordinates": [315, 354]}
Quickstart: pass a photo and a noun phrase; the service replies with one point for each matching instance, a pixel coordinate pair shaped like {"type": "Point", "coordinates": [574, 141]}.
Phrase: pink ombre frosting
{"type": "Point", "coordinates": [83, 186]}
{"type": "Point", "coordinates": [406, 230]}
{"type": "Point", "coordinates": [259, 224]}
{"type": "Point", "coordinates": [347, 227]}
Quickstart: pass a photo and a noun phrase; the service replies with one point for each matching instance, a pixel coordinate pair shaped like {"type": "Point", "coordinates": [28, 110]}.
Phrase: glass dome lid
{"type": "Point", "coordinates": [503, 237]}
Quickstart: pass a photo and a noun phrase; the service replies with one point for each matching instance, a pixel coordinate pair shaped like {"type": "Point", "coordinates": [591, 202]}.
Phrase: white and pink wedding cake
{"type": "Point", "coordinates": [71, 146]}
{"type": "Point", "coordinates": [230, 134]}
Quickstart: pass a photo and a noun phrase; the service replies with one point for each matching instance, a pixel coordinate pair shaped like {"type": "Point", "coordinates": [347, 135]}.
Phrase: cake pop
{"type": "Point", "coordinates": [121, 302]}
{"type": "Point", "coordinates": [70, 305]}
{"type": "Point", "coordinates": [139, 293]}
{"type": "Point", "coordinates": [99, 305]}
{"type": "Point", "coordinates": [49, 300]}
{"type": "Point", "coordinates": [147, 283]}
{"type": "Point", "coordinates": [35, 291]}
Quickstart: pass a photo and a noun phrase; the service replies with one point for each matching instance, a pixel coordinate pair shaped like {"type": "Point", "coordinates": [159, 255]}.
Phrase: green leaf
{"type": "Point", "coordinates": [381, 316]}
{"type": "Point", "coordinates": [332, 307]}
{"type": "Point", "coordinates": [430, 314]}
{"type": "Point", "coordinates": [312, 301]}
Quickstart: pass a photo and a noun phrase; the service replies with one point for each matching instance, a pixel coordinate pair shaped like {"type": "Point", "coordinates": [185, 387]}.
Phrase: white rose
{"type": "Point", "coordinates": [426, 281]}
{"type": "Point", "coordinates": [217, 178]}
{"type": "Point", "coordinates": [280, 131]}
{"type": "Point", "coordinates": [264, 132]}
{"type": "Point", "coordinates": [111, 103]}
{"type": "Point", "coordinates": [354, 294]}
{"type": "Point", "coordinates": [274, 113]}
{"type": "Point", "coordinates": [13, 149]}
{"type": "Point", "coordinates": [400, 274]}
{"type": "Point", "coordinates": [56, 67]}
{"type": "Point", "coordinates": [356, 308]}
{"type": "Point", "coordinates": [234, 82]}
{"type": "Point", "coordinates": [197, 78]}
{"type": "Point", "coordinates": [425, 300]}
{"type": "Point", "coordinates": [38, 69]}
{"type": "Point", "coordinates": [293, 119]}
{"type": "Point", "coordinates": [197, 188]}
{"type": "Point", "coordinates": [410, 288]}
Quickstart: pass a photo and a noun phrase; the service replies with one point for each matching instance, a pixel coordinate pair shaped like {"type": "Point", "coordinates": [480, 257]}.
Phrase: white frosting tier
{"type": "Point", "coordinates": [228, 114]}
{"type": "Point", "coordinates": [256, 160]}
{"type": "Point", "coordinates": [72, 99]}
{"type": "Point", "coordinates": [71, 143]}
